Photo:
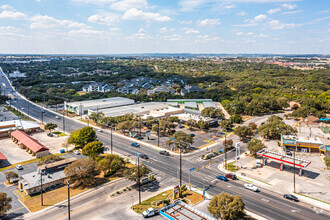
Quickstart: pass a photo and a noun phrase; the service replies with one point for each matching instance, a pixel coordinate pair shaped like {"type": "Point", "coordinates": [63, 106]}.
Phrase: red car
{"type": "Point", "coordinates": [231, 176]}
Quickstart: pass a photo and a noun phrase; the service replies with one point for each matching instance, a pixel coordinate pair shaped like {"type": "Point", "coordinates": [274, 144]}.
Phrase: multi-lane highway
{"type": "Point", "coordinates": [265, 203]}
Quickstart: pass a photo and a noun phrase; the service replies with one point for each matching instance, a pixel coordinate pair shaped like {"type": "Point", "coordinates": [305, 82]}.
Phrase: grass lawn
{"type": "Point", "coordinates": [191, 198]}
{"type": "Point", "coordinates": [50, 198]}
{"type": "Point", "coordinates": [232, 167]}
{"type": "Point", "coordinates": [61, 134]}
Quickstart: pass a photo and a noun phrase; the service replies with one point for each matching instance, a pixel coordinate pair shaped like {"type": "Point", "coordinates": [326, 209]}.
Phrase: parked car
{"type": "Point", "coordinates": [100, 130]}
{"type": "Point", "coordinates": [134, 144]}
{"type": "Point", "coordinates": [22, 108]}
{"type": "Point", "coordinates": [223, 178]}
{"type": "Point", "coordinates": [164, 152]}
{"type": "Point", "coordinates": [291, 197]}
{"type": "Point", "coordinates": [139, 137]}
{"type": "Point", "coordinates": [150, 212]}
{"type": "Point", "coordinates": [251, 187]}
{"type": "Point", "coordinates": [180, 126]}
{"type": "Point", "coordinates": [288, 153]}
{"type": "Point", "coordinates": [19, 167]}
{"type": "Point", "coordinates": [57, 117]}
{"type": "Point", "coordinates": [231, 176]}
{"type": "Point", "coordinates": [77, 152]}
{"type": "Point", "coordinates": [192, 135]}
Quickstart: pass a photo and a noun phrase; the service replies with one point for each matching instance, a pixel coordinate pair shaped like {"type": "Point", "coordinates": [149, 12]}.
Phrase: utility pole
{"type": "Point", "coordinates": [42, 198]}
{"type": "Point", "coordinates": [180, 170]}
{"type": "Point", "coordinates": [138, 159]}
{"type": "Point", "coordinates": [294, 171]}
{"type": "Point", "coordinates": [226, 148]}
{"type": "Point", "coordinates": [63, 123]}
{"type": "Point", "coordinates": [158, 134]}
{"type": "Point", "coordinates": [69, 213]}
{"type": "Point", "coordinates": [111, 138]}
{"type": "Point", "coordinates": [42, 117]}
{"type": "Point", "coordinates": [140, 125]}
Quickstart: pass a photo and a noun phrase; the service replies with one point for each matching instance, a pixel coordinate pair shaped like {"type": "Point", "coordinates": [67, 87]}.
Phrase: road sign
{"type": "Point", "coordinates": [237, 145]}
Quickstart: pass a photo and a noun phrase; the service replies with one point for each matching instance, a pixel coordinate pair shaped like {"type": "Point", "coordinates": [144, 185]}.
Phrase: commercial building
{"type": "Point", "coordinates": [7, 126]}
{"type": "Point", "coordinates": [82, 107]}
{"type": "Point", "coordinates": [2, 159]}
{"type": "Point", "coordinates": [52, 177]}
{"type": "Point", "coordinates": [31, 145]}
{"type": "Point", "coordinates": [194, 104]}
{"type": "Point", "coordinates": [148, 108]}
{"type": "Point", "coordinates": [305, 144]}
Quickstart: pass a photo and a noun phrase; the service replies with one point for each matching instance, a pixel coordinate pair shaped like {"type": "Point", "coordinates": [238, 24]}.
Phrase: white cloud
{"type": "Point", "coordinates": [115, 29]}
{"type": "Point", "coordinates": [125, 5]}
{"type": "Point", "coordinates": [189, 5]}
{"type": "Point", "coordinates": [260, 17]}
{"type": "Point", "coordinates": [44, 21]}
{"type": "Point", "coordinates": [277, 25]}
{"type": "Point", "coordinates": [292, 12]}
{"type": "Point", "coordinates": [239, 33]}
{"type": "Point", "coordinates": [209, 22]}
{"type": "Point", "coordinates": [85, 31]}
{"type": "Point", "coordinates": [97, 2]}
{"type": "Point", "coordinates": [273, 10]}
{"type": "Point", "coordinates": [186, 22]}
{"type": "Point", "coordinates": [250, 33]}
{"type": "Point", "coordinates": [140, 35]}
{"type": "Point", "coordinates": [9, 31]}
{"type": "Point", "coordinates": [173, 37]}
{"type": "Point", "coordinates": [135, 14]}
{"type": "Point", "coordinates": [6, 7]}
{"type": "Point", "coordinates": [228, 6]}
{"type": "Point", "coordinates": [205, 38]}
{"type": "Point", "coordinates": [10, 13]}
{"type": "Point", "coordinates": [241, 13]}
{"type": "Point", "coordinates": [262, 35]}
{"type": "Point", "coordinates": [163, 30]}
{"type": "Point", "coordinates": [105, 18]}
{"type": "Point", "coordinates": [190, 30]}
{"type": "Point", "coordinates": [289, 6]}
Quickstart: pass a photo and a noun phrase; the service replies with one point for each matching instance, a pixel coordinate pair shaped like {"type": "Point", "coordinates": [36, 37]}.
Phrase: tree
{"type": "Point", "coordinates": [182, 140]}
{"type": "Point", "coordinates": [50, 127]}
{"type": "Point", "coordinates": [252, 125]}
{"type": "Point", "coordinates": [283, 102]}
{"type": "Point", "coordinates": [236, 118]}
{"type": "Point", "coordinates": [125, 125]}
{"type": "Point", "coordinates": [134, 174]}
{"type": "Point", "coordinates": [226, 206]}
{"type": "Point", "coordinates": [93, 149]}
{"type": "Point", "coordinates": [254, 146]}
{"type": "Point", "coordinates": [11, 175]}
{"type": "Point", "coordinates": [295, 107]}
{"type": "Point", "coordinates": [4, 203]}
{"type": "Point", "coordinates": [111, 163]}
{"type": "Point", "coordinates": [243, 132]}
{"type": "Point", "coordinates": [96, 116]}
{"type": "Point", "coordinates": [82, 172]}
{"type": "Point", "coordinates": [49, 159]}
{"type": "Point", "coordinates": [213, 113]}
{"type": "Point", "coordinates": [226, 124]}
{"type": "Point", "coordinates": [191, 123]}
{"type": "Point", "coordinates": [274, 128]}
{"type": "Point", "coordinates": [327, 161]}
{"type": "Point", "coordinates": [81, 137]}
{"type": "Point", "coordinates": [203, 124]}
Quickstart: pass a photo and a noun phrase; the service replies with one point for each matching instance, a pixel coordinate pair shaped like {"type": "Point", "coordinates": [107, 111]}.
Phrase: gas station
{"type": "Point", "coordinates": [284, 159]}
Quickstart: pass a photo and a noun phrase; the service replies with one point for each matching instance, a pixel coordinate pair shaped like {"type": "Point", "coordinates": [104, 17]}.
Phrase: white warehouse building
{"type": "Point", "coordinates": [82, 107]}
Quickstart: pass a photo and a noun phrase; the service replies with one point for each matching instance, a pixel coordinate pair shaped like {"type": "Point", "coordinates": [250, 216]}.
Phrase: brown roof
{"type": "Point", "coordinates": [312, 118]}
{"type": "Point", "coordinates": [58, 163]}
{"type": "Point", "coordinates": [28, 141]}
{"type": "Point", "coordinates": [2, 157]}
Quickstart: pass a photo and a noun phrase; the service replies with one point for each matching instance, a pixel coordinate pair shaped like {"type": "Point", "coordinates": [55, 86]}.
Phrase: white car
{"type": "Point", "coordinates": [76, 152]}
{"type": "Point", "coordinates": [57, 117]}
{"type": "Point", "coordinates": [251, 187]}
{"type": "Point", "coordinates": [19, 167]}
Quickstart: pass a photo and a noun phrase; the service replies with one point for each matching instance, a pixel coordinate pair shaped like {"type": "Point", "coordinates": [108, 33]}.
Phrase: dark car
{"type": "Point", "coordinates": [134, 144]}
{"type": "Point", "coordinates": [291, 197]}
{"type": "Point", "coordinates": [288, 153]}
{"type": "Point", "coordinates": [192, 135]}
{"type": "Point", "coordinates": [231, 176]}
{"type": "Point", "coordinates": [164, 152]}
{"type": "Point", "coordinates": [143, 156]}
{"type": "Point", "coordinates": [223, 178]}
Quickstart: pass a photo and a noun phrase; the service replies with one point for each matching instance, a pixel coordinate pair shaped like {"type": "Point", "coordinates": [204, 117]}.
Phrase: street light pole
{"type": "Point", "coordinates": [180, 170]}
{"type": "Point", "coordinates": [111, 139]}
{"type": "Point", "coordinates": [158, 134]}
{"type": "Point", "coordinates": [294, 171]}
{"type": "Point", "coordinates": [140, 125]}
{"type": "Point", "coordinates": [42, 117]}
{"type": "Point", "coordinates": [225, 148]}
{"type": "Point", "coordinates": [42, 198]}
{"type": "Point", "coordinates": [139, 179]}
{"type": "Point", "coordinates": [63, 122]}
{"type": "Point", "coordinates": [69, 211]}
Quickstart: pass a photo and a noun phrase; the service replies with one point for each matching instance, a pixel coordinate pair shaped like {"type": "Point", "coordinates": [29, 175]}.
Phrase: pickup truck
{"type": "Point", "coordinates": [150, 212]}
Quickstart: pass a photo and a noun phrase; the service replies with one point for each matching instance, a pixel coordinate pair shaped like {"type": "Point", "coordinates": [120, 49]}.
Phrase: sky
{"type": "Point", "coordinates": [164, 26]}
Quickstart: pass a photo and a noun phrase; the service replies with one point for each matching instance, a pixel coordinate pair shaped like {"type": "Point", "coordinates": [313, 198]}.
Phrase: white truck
{"type": "Point", "coordinates": [251, 187]}
{"type": "Point", "coordinates": [150, 212]}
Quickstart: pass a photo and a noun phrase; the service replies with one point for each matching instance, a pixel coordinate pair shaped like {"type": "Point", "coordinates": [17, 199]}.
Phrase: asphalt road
{"type": "Point", "coordinates": [267, 204]}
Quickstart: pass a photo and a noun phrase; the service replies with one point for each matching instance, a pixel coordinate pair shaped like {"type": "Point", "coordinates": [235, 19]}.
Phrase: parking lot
{"type": "Point", "coordinates": [7, 115]}
{"type": "Point", "coordinates": [14, 193]}
{"type": "Point", "coordinates": [200, 138]}
{"type": "Point", "coordinates": [53, 143]}
{"type": "Point", "coordinates": [13, 153]}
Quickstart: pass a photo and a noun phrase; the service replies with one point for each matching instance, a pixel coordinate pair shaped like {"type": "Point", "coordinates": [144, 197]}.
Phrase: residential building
{"type": "Point", "coordinates": [31, 145]}
{"type": "Point", "coordinates": [160, 89]}
{"type": "Point", "coordinates": [189, 89]}
{"type": "Point", "coordinates": [82, 107]}
{"type": "Point", "coordinates": [97, 87]}
{"type": "Point", "coordinates": [52, 175]}
{"type": "Point", "coordinates": [127, 89]}
{"type": "Point", "coordinates": [8, 126]}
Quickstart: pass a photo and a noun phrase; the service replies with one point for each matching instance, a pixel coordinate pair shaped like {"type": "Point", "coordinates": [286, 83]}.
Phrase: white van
{"type": "Point", "coordinates": [258, 163]}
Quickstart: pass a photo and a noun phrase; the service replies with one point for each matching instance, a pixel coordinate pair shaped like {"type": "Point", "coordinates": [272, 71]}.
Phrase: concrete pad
{"type": "Point", "coordinates": [13, 153]}
{"type": "Point", "coordinates": [53, 143]}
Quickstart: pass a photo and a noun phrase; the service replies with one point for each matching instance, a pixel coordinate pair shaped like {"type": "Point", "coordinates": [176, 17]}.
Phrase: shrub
{"type": "Point", "coordinates": [152, 177]}
{"type": "Point", "coordinates": [118, 192]}
{"type": "Point", "coordinates": [202, 156]}
{"type": "Point", "coordinates": [124, 190]}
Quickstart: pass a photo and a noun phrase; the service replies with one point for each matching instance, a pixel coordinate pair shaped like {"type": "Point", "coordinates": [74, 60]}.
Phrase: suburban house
{"type": "Point", "coordinates": [127, 89]}
{"type": "Point", "coordinates": [160, 89]}
{"type": "Point", "coordinates": [31, 145]}
{"type": "Point", "coordinates": [310, 121]}
{"type": "Point", "coordinates": [188, 89]}
{"type": "Point", "coordinates": [98, 87]}
{"type": "Point", "coordinates": [52, 175]}
{"type": "Point", "coordinates": [8, 126]}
